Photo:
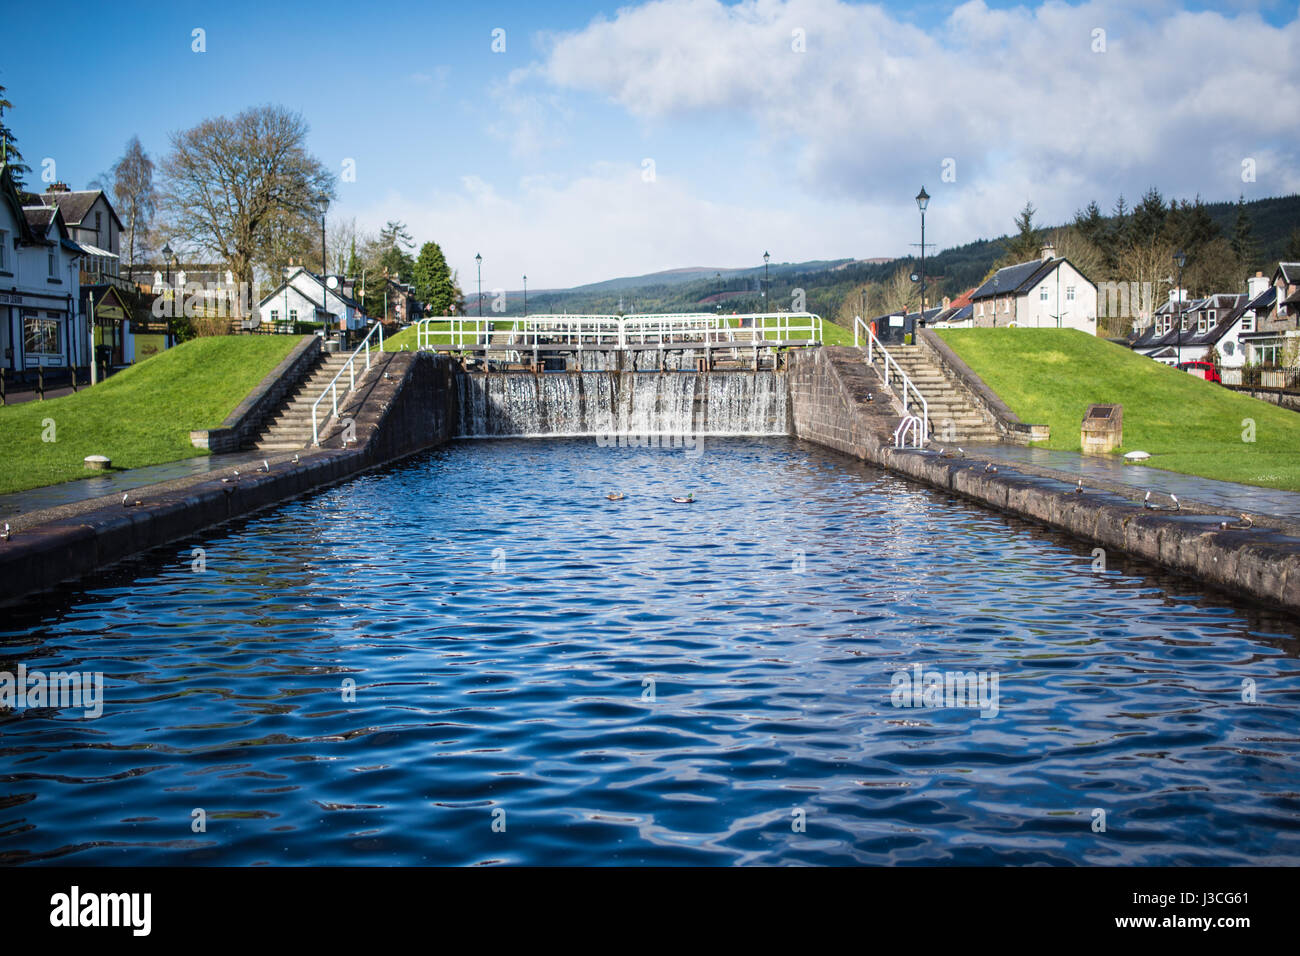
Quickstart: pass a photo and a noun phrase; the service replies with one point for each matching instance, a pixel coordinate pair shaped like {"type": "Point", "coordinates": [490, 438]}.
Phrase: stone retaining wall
{"type": "Point", "coordinates": [243, 424]}
{"type": "Point", "coordinates": [411, 408]}
{"type": "Point", "coordinates": [1260, 563]}
{"type": "Point", "coordinates": [1008, 423]}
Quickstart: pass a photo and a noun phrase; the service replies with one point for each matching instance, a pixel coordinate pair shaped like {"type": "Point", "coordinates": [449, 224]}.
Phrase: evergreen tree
{"type": "Point", "coordinates": [354, 267]}
{"type": "Point", "coordinates": [1027, 243]}
{"type": "Point", "coordinates": [1243, 240]}
{"type": "Point", "coordinates": [1120, 234]}
{"type": "Point", "coordinates": [1149, 217]}
{"type": "Point", "coordinates": [432, 280]}
{"type": "Point", "coordinates": [1090, 223]}
{"type": "Point", "coordinates": [8, 151]}
{"type": "Point", "coordinates": [1293, 246]}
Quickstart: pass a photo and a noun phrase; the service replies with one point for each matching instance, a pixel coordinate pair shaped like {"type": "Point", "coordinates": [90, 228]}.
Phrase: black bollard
{"type": "Point", "coordinates": [2, 386]}
{"type": "Point", "coordinates": [73, 371]}
{"type": "Point", "coordinates": [40, 382]}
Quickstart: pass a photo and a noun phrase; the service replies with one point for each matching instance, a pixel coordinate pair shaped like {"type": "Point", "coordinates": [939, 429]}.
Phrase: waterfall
{"type": "Point", "coordinates": [524, 405]}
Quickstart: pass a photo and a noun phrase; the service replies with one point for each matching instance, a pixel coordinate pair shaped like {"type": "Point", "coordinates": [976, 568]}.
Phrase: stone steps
{"type": "Point", "coordinates": [290, 426]}
{"type": "Point", "coordinates": [954, 417]}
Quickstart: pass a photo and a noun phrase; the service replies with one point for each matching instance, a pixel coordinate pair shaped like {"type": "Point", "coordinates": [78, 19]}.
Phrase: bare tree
{"type": "Point", "coordinates": [899, 293]}
{"type": "Point", "coordinates": [135, 197]}
{"type": "Point", "coordinates": [230, 183]}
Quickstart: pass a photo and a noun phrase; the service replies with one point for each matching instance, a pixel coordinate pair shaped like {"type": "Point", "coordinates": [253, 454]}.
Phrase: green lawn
{"type": "Point", "coordinates": [143, 415]}
{"type": "Point", "coordinates": [1050, 376]}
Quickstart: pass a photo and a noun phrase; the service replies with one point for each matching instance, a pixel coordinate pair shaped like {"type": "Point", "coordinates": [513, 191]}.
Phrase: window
{"type": "Point", "coordinates": [1069, 293]}
{"type": "Point", "coordinates": [51, 264]}
{"type": "Point", "coordinates": [1248, 322]}
{"type": "Point", "coordinates": [1202, 324]}
{"type": "Point", "coordinates": [4, 248]}
{"type": "Point", "coordinates": [1042, 294]}
{"type": "Point", "coordinates": [98, 223]}
{"type": "Point", "coordinates": [40, 336]}
{"type": "Point", "coordinates": [293, 315]}
{"type": "Point", "coordinates": [275, 315]}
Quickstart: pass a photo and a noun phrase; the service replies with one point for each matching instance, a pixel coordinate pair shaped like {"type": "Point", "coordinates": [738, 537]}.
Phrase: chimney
{"type": "Point", "coordinates": [57, 188]}
{"type": "Point", "coordinates": [946, 301]}
{"type": "Point", "coordinates": [1048, 251]}
{"type": "Point", "coordinates": [1255, 285]}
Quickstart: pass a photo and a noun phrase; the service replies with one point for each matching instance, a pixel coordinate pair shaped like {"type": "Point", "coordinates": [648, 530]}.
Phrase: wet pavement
{"type": "Point", "coordinates": [1207, 491]}
{"type": "Point", "coordinates": [70, 492]}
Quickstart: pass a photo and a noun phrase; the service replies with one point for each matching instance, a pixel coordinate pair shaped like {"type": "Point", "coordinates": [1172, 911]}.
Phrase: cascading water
{"type": "Point", "coordinates": [521, 404]}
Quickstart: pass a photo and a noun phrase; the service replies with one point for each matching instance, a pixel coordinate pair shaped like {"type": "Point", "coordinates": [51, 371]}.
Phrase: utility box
{"type": "Point", "coordinates": [1103, 429]}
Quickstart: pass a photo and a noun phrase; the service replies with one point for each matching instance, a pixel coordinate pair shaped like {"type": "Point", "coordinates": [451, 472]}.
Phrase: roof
{"type": "Point", "coordinates": [75, 204]}
{"type": "Point", "coordinates": [1290, 271]}
{"type": "Point", "coordinates": [1264, 300]}
{"type": "Point", "coordinates": [337, 293]}
{"type": "Point", "coordinates": [1232, 306]}
{"type": "Point", "coordinates": [39, 218]}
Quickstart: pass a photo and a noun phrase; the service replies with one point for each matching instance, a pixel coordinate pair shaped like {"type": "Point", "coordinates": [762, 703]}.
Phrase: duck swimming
{"type": "Point", "coordinates": [615, 496]}
{"type": "Point", "coordinates": [688, 500]}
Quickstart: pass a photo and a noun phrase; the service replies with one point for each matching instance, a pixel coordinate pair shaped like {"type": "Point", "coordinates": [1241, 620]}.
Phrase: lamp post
{"type": "Point", "coordinates": [922, 200]}
{"type": "Point", "coordinates": [323, 203]}
{"type": "Point", "coordinates": [478, 259]}
{"type": "Point", "coordinates": [525, 297]}
{"type": "Point", "coordinates": [766, 257]}
{"type": "Point", "coordinates": [1180, 260]}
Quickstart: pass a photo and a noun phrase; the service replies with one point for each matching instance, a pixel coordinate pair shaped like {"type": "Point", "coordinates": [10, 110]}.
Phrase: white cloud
{"type": "Point", "coordinates": [875, 101]}
{"type": "Point", "coordinates": [837, 139]}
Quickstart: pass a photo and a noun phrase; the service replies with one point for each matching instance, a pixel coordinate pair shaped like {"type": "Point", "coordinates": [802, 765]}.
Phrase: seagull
{"type": "Point", "coordinates": [1078, 488]}
{"type": "Point", "coordinates": [128, 504]}
{"type": "Point", "coordinates": [265, 466]}
{"type": "Point", "coordinates": [4, 536]}
{"type": "Point", "coordinates": [1245, 523]}
{"type": "Point", "coordinates": [295, 458]}
{"type": "Point", "coordinates": [959, 453]}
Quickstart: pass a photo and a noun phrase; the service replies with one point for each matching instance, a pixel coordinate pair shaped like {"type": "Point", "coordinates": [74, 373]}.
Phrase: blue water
{"type": "Point", "coordinates": [502, 622]}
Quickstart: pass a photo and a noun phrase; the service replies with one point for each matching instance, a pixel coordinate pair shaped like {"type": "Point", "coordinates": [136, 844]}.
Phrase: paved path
{"type": "Point", "coordinates": [1227, 495]}
{"type": "Point", "coordinates": [51, 496]}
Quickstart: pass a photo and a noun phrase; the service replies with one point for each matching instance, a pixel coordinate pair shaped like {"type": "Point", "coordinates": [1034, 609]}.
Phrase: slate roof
{"type": "Point", "coordinates": [337, 293]}
{"type": "Point", "coordinates": [1014, 279]}
{"type": "Point", "coordinates": [75, 204]}
{"type": "Point", "coordinates": [39, 218]}
{"type": "Point", "coordinates": [1290, 271]}
{"type": "Point", "coordinates": [1230, 305]}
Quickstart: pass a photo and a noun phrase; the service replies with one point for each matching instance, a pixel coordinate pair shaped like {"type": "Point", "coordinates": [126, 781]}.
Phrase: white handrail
{"type": "Point", "coordinates": [891, 367]}
{"type": "Point", "coordinates": [350, 366]}
{"type": "Point", "coordinates": [611, 331]}
{"type": "Point", "coordinates": [912, 424]}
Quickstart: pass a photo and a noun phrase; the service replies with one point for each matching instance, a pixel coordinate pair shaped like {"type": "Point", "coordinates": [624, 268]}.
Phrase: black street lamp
{"type": "Point", "coordinates": [167, 256]}
{"type": "Point", "coordinates": [479, 260]}
{"type": "Point", "coordinates": [765, 258]}
{"type": "Point", "coordinates": [525, 297]}
{"type": "Point", "coordinates": [323, 204]}
{"type": "Point", "coordinates": [1180, 260]}
{"type": "Point", "coordinates": [922, 200]}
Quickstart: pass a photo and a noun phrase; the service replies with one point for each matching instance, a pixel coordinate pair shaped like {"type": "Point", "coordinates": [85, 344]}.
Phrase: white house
{"type": "Point", "coordinates": [1046, 293]}
{"type": "Point", "coordinates": [41, 323]}
{"type": "Point", "coordinates": [303, 297]}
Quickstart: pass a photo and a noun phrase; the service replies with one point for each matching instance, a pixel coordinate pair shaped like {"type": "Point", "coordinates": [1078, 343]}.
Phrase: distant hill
{"type": "Point", "coordinates": [827, 282]}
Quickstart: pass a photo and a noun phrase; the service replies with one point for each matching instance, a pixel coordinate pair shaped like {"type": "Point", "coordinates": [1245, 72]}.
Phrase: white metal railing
{"type": "Point", "coordinates": [910, 424]}
{"type": "Point", "coordinates": [456, 333]}
{"type": "Point", "coordinates": [350, 366]}
{"type": "Point", "coordinates": [890, 369]}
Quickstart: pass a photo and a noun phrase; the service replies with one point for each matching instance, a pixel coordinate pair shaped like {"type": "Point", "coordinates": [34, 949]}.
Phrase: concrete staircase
{"type": "Point", "coordinates": [954, 417]}
{"type": "Point", "coordinates": [290, 427]}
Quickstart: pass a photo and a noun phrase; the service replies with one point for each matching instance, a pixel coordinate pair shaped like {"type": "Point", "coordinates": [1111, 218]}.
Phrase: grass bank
{"type": "Point", "coordinates": [1050, 376]}
{"type": "Point", "coordinates": [143, 415]}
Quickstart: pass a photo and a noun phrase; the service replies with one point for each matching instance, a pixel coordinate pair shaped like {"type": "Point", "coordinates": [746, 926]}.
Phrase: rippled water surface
{"type": "Point", "coordinates": [544, 676]}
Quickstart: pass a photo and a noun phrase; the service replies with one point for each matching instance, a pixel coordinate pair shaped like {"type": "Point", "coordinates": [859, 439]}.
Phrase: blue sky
{"type": "Point", "coordinates": [540, 157]}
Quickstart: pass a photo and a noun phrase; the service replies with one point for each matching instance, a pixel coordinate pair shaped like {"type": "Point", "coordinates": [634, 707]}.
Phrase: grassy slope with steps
{"type": "Point", "coordinates": [1187, 425]}
{"type": "Point", "coordinates": [290, 426]}
{"type": "Point", "coordinates": [143, 415]}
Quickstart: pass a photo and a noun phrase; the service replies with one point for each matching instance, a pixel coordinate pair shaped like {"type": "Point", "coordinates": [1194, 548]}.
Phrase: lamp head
{"type": "Point", "coordinates": [922, 199]}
